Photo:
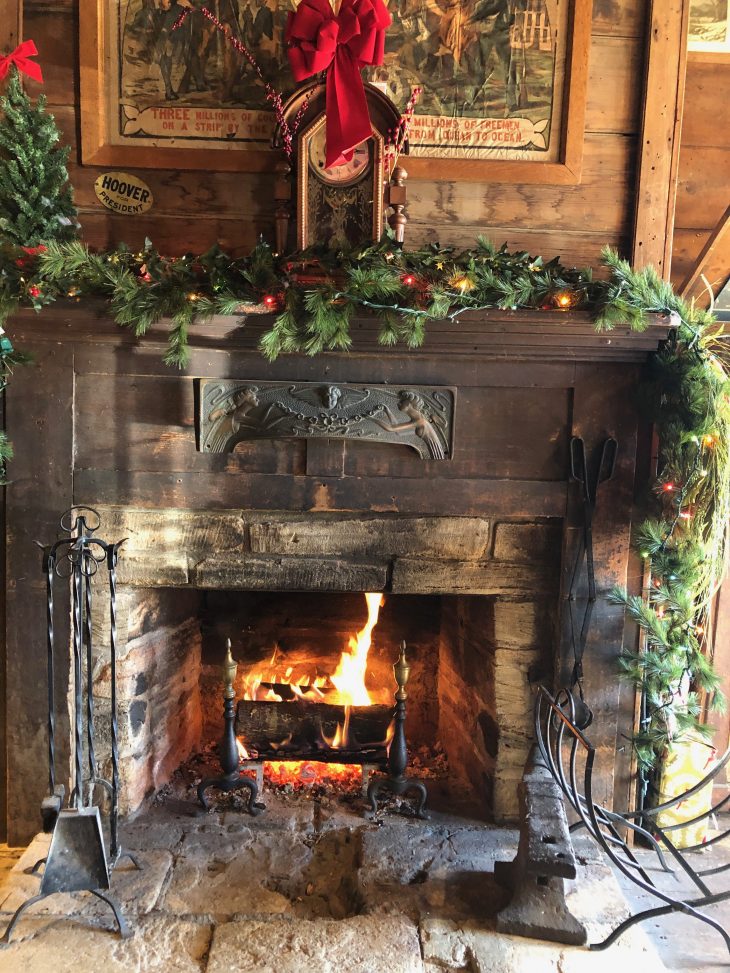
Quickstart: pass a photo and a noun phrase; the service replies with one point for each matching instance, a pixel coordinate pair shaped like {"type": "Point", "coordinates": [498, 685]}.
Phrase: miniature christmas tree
{"type": "Point", "coordinates": [36, 204]}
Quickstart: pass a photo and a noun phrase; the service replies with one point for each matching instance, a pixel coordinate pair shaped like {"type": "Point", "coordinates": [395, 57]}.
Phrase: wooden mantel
{"type": "Point", "coordinates": [494, 334]}
{"type": "Point", "coordinates": [98, 418]}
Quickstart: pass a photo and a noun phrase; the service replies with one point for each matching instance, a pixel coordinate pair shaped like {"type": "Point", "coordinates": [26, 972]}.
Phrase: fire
{"type": "Point", "coordinates": [279, 681]}
{"type": "Point", "coordinates": [349, 677]}
{"type": "Point", "coordinates": [305, 773]}
{"type": "Point", "coordinates": [346, 686]}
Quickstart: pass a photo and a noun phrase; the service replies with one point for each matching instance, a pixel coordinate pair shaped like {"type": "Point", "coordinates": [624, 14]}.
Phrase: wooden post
{"type": "Point", "coordinates": [11, 24]}
{"type": "Point", "coordinates": [656, 187]}
{"type": "Point", "coordinates": [721, 660]}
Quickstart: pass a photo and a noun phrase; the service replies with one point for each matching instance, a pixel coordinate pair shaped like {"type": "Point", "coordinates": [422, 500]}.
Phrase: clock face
{"type": "Point", "coordinates": [346, 174]}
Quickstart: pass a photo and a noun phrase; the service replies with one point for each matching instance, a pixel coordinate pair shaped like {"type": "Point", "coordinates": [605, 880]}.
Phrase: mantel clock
{"type": "Point", "coordinates": [344, 205]}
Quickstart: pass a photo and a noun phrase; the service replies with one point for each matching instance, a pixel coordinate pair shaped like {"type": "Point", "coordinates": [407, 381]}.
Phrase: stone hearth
{"type": "Point", "coordinates": [307, 886]}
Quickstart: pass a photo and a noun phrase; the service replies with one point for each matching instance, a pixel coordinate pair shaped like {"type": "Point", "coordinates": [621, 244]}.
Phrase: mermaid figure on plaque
{"type": "Point", "coordinates": [419, 422]}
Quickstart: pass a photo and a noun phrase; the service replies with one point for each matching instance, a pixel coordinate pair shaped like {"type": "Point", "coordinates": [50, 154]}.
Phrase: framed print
{"type": "Point", "coordinates": [503, 84]}
{"type": "Point", "coordinates": [709, 26]}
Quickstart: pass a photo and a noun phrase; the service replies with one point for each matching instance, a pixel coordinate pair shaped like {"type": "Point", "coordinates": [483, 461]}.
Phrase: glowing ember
{"type": "Point", "coordinates": [305, 773]}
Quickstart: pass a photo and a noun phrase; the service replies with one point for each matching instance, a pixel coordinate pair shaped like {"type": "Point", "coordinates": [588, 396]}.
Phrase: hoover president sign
{"type": "Point", "coordinates": [123, 193]}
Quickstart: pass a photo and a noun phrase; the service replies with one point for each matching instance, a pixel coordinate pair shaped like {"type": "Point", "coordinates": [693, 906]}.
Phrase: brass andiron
{"type": "Point", "coordinates": [232, 778]}
{"type": "Point", "coordinates": [397, 782]}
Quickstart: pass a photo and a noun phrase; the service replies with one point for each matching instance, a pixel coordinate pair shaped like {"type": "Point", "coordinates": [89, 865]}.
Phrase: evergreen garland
{"type": "Point", "coordinates": [314, 296]}
{"type": "Point", "coordinates": [36, 204]}
{"type": "Point", "coordinates": [684, 540]}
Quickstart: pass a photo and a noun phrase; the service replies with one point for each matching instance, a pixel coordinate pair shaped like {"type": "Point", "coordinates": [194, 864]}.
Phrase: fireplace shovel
{"type": "Point", "coordinates": [76, 862]}
{"type": "Point", "coordinates": [76, 859]}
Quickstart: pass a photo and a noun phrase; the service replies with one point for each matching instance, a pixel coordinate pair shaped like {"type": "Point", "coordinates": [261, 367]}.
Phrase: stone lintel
{"type": "Point", "coordinates": [198, 533]}
{"type": "Point", "coordinates": [528, 542]}
{"type": "Point", "coordinates": [424, 576]}
{"type": "Point", "coordinates": [255, 573]}
{"type": "Point", "coordinates": [463, 538]}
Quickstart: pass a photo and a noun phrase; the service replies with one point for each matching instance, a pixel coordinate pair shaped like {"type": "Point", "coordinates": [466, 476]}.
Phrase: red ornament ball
{"type": "Point", "coordinates": [34, 291]}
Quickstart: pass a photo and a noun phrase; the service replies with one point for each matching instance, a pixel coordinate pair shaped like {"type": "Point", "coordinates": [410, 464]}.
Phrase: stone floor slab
{"type": "Point", "coordinates": [451, 946]}
{"type": "Point", "coordinates": [226, 875]}
{"type": "Point", "coordinates": [136, 890]}
{"type": "Point", "coordinates": [363, 944]}
{"type": "Point", "coordinates": [159, 944]}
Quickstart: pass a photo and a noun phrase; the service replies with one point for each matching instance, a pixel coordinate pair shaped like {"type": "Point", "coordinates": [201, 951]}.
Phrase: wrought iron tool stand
{"type": "Point", "coordinates": [77, 858]}
{"type": "Point", "coordinates": [397, 782]}
{"type": "Point", "coordinates": [232, 778]}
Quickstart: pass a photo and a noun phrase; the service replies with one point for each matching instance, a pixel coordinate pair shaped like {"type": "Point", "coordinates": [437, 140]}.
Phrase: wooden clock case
{"type": "Point", "coordinates": [295, 178]}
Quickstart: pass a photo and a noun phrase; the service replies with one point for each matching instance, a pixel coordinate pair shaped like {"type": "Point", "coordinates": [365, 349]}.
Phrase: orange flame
{"type": "Point", "coordinates": [346, 687]}
{"type": "Point", "coordinates": [342, 733]}
{"type": "Point", "coordinates": [349, 677]}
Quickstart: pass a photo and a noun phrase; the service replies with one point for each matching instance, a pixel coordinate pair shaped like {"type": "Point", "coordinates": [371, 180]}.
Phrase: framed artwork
{"type": "Point", "coordinates": [709, 26]}
{"type": "Point", "coordinates": [503, 85]}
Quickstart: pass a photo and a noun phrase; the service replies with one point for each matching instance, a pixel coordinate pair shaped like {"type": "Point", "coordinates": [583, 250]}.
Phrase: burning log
{"type": "Point", "coordinates": [303, 728]}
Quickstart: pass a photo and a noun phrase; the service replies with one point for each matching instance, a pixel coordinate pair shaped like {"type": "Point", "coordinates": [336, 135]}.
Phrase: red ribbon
{"type": "Point", "coordinates": [20, 58]}
{"type": "Point", "coordinates": [340, 44]}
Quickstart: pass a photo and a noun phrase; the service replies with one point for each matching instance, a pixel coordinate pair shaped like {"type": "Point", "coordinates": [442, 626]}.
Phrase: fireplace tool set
{"type": "Point", "coordinates": [306, 725]}
{"type": "Point", "coordinates": [77, 858]}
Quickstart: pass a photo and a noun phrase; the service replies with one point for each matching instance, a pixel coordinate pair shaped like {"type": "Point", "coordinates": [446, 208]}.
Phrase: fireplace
{"type": "Point", "coordinates": [473, 656]}
{"type": "Point", "coordinates": [473, 549]}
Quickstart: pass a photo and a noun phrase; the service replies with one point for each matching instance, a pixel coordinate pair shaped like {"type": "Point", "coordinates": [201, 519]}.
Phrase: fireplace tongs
{"type": "Point", "coordinates": [581, 474]}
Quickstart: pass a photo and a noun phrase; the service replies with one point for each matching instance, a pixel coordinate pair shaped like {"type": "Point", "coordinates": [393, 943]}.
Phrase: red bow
{"type": "Point", "coordinates": [341, 44]}
{"type": "Point", "coordinates": [20, 58]}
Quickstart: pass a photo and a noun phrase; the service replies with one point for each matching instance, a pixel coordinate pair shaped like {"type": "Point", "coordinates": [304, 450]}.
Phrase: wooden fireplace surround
{"type": "Point", "coordinates": [99, 419]}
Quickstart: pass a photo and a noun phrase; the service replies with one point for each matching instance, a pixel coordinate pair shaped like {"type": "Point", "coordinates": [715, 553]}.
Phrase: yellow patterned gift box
{"type": "Point", "coordinates": [686, 762]}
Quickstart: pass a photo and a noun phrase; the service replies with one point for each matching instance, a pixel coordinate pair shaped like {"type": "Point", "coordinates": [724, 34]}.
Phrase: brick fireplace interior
{"type": "Point", "coordinates": [473, 659]}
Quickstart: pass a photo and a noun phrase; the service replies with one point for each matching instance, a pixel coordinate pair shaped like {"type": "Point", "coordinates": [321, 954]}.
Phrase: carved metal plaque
{"type": "Point", "coordinates": [416, 416]}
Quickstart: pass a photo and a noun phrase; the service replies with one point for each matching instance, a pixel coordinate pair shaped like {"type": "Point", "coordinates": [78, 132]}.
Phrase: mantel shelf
{"type": "Point", "coordinates": [494, 334]}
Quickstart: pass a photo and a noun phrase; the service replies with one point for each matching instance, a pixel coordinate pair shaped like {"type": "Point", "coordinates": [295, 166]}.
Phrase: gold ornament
{"type": "Point", "coordinates": [461, 282]}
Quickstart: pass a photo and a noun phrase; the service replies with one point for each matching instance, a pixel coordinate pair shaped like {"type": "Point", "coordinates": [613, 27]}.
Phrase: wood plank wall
{"type": "Point", "coordinates": [704, 162]}
{"type": "Point", "coordinates": [192, 210]}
